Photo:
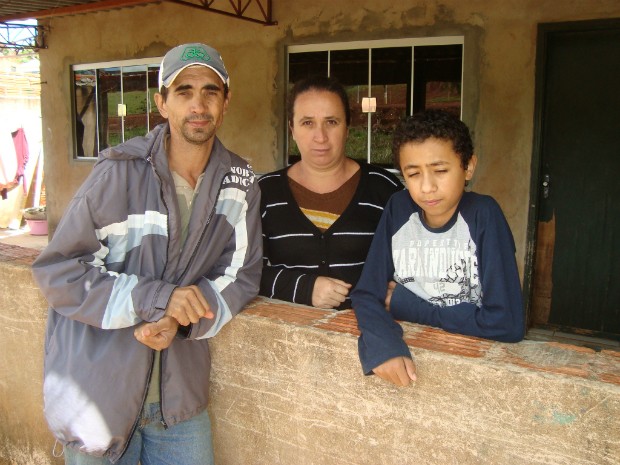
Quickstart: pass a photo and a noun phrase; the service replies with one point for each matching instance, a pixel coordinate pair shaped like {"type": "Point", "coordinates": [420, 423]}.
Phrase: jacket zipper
{"type": "Point", "coordinates": [163, 273]}
{"type": "Point", "coordinates": [135, 424]}
{"type": "Point", "coordinates": [161, 390]}
{"type": "Point", "coordinates": [202, 235]}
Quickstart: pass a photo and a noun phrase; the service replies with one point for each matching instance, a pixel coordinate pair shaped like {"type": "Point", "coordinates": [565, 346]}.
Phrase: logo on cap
{"type": "Point", "coordinates": [195, 53]}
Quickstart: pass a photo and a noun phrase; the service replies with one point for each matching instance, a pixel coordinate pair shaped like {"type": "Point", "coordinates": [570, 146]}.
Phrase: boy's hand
{"type": "Point", "coordinates": [157, 335]}
{"type": "Point", "coordinates": [397, 370]}
{"type": "Point", "coordinates": [187, 305]}
{"type": "Point", "coordinates": [329, 292]}
{"type": "Point", "coordinates": [388, 295]}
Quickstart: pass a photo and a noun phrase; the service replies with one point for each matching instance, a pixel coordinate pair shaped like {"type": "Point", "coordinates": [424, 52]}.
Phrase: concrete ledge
{"type": "Point", "coordinates": [287, 388]}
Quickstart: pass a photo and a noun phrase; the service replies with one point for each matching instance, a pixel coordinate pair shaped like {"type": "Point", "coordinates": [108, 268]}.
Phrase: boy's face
{"type": "Point", "coordinates": [435, 178]}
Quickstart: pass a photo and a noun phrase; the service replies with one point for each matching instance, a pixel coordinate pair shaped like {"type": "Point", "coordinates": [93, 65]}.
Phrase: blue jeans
{"type": "Point", "coordinates": [186, 443]}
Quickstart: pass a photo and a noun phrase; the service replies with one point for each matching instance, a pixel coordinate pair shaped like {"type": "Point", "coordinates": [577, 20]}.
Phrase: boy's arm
{"type": "Point", "coordinates": [500, 317]}
{"type": "Point", "coordinates": [381, 337]}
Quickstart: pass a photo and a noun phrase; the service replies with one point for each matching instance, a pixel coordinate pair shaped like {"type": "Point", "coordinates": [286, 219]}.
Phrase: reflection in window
{"type": "Point", "coordinates": [113, 103]}
{"type": "Point", "coordinates": [404, 76]}
{"type": "Point", "coordinates": [85, 91]}
{"type": "Point", "coordinates": [350, 67]}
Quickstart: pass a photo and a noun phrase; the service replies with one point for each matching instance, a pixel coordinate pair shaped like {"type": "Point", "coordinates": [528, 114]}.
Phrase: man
{"type": "Point", "coordinates": [159, 248]}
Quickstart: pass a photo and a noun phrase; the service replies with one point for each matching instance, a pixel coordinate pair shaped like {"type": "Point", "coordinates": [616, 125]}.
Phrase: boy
{"type": "Point", "coordinates": [441, 256]}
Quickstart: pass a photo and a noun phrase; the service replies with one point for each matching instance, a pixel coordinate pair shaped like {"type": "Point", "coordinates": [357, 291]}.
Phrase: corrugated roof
{"type": "Point", "coordinates": [11, 10]}
{"type": "Point", "coordinates": [250, 10]}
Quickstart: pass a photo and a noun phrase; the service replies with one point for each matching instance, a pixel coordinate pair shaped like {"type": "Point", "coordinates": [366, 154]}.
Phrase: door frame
{"type": "Point", "coordinates": [545, 30]}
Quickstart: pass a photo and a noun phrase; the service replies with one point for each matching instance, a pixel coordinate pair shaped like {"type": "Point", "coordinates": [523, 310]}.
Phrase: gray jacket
{"type": "Point", "coordinates": [113, 263]}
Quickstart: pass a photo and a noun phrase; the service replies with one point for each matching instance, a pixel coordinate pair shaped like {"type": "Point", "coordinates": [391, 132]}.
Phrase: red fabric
{"type": "Point", "coordinates": [22, 154]}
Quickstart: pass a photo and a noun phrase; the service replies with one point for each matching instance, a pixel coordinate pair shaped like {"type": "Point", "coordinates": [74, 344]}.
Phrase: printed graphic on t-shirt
{"type": "Point", "coordinates": [441, 268]}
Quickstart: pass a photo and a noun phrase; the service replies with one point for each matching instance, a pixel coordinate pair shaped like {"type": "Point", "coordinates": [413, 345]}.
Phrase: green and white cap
{"type": "Point", "coordinates": [184, 56]}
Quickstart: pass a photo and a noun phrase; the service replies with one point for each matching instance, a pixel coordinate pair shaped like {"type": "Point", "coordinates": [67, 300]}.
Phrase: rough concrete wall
{"type": "Point", "coordinates": [287, 389]}
{"type": "Point", "coordinates": [24, 438]}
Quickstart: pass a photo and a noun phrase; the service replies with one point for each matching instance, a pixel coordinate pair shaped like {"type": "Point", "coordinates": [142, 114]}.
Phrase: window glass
{"type": "Point", "coordinates": [437, 77]}
{"type": "Point", "coordinates": [307, 64]}
{"type": "Point", "coordinates": [155, 117]}
{"type": "Point", "coordinates": [351, 68]}
{"type": "Point", "coordinates": [85, 98]}
{"type": "Point", "coordinates": [135, 102]}
{"type": "Point", "coordinates": [109, 96]}
{"type": "Point", "coordinates": [391, 79]}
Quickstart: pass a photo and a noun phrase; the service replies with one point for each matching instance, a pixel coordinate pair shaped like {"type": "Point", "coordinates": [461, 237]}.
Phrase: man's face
{"type": "Point", "coordinates": [195, 105]}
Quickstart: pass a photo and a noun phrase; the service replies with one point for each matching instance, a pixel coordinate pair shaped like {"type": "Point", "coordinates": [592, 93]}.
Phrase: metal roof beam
{"type": "Point", "coordinates": [262, 9]}
{"type": "Point", "coordinates": [22, 36]}
{"type": "Point", "coordinates": [76, 9]}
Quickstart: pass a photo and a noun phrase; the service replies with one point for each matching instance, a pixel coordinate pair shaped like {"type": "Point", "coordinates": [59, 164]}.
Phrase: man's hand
{"type": "Point", "coordinates": [397, 370]}
{"type": "Point", "coordinates": [329, 292]}
{"type": "Point", "coordinates": [158, 335]}
{"type": "Point", "coordinates": [388, 295]}
{"type": "Point", "coordinates": [187, 305]}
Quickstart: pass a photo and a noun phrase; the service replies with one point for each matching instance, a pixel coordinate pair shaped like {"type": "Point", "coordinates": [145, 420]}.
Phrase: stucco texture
{"type": "Point", "coordinates": [288, 392]}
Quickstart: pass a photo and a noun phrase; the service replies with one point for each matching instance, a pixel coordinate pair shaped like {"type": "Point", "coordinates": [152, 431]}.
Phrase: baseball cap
{"type": "Point", "coordinates": [183, 56]}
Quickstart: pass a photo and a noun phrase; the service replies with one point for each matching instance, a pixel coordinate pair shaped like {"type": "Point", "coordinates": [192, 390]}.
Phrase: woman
{"type": "Point", "coordinates": [320, 214]}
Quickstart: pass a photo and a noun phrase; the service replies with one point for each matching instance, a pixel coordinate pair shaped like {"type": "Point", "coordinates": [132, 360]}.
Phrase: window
{"type": "Point", "coordinates": [403, 76]}
{"type": "Point", "coordinates": [113, 102]}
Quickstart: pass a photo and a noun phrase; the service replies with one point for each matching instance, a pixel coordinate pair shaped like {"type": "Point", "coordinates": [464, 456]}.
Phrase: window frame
{"type": "Point", "coordinates": [96, 66]}
{"type": "Point", "coordinates": [329, 47]}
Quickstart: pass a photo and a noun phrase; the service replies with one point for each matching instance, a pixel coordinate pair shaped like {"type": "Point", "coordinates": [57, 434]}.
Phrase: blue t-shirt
{"type": "Point", "coordinates": [461, 277]}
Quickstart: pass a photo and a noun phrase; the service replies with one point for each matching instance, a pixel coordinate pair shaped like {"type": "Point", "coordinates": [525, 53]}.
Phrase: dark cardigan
{"type": "Point", "coordinates": [296, 252]}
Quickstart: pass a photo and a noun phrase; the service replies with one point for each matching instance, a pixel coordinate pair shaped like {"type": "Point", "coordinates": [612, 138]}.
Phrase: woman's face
{"type": "Point", "coordinates": [319, 128]}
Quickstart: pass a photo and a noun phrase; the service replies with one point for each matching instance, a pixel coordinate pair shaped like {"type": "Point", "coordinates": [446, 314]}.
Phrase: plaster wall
{"type": "Point", "coordinates": [499, 77]}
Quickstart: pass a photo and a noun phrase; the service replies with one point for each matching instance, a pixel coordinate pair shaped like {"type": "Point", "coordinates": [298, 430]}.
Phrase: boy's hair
{"type": "Point", "coordinates": [439, 124]}
{"type": "Point", "coordinates": [320, 83]}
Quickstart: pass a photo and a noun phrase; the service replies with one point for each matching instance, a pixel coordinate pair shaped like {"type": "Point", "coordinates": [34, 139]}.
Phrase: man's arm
{"type": "Point", "coordinates": [74, 272]}
{"type": "Point", "coordinates": [234, 280]}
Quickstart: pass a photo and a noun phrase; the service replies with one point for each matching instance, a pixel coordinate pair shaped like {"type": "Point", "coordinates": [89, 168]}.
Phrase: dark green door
{"type": "Point", "coordinates": [578, 91]}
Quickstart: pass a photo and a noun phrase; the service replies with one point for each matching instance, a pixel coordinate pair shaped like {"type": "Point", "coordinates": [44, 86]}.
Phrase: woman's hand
{"type": "Point", "coordinates": [329, 292]}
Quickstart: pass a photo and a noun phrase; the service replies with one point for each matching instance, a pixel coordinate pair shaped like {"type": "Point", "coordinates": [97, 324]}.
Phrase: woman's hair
{"type": "Point", "coordinates": [320, 83]}
{"type": "Point", "coordinates": [439, 124]}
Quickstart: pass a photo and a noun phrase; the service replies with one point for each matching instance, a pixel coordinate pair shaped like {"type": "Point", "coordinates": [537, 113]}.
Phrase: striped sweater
{"type": "Point", "coordinates": [296, 252]}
